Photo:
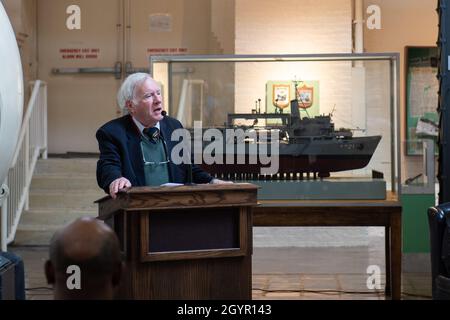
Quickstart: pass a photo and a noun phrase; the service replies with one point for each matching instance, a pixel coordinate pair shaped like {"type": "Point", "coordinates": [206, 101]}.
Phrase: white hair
{"type": "Point", "coordinates": [128, 87]}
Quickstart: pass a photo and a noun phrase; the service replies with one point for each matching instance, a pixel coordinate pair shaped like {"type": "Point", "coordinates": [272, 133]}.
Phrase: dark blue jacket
{"type": "Point", "coordinates": [121, 155]}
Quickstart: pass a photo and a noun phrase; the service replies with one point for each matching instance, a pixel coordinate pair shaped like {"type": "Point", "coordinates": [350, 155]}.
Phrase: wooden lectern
{"type": "Point", "coordinates": [184, 242]}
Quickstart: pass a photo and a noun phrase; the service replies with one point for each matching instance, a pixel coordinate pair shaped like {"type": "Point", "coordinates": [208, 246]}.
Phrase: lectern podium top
{"type": "Point", "coordinates": [164, 197]}
{"type": "Point", "coordinates": [183, 188]}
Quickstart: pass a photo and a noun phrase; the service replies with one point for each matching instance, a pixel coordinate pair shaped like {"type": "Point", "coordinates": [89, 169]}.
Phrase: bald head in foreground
{"type": "Point", "coordinates": [84, 261]}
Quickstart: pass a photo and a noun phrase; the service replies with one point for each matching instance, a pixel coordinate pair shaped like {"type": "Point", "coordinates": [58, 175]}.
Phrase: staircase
{"type": "Point", "coordinates": [61, 191]}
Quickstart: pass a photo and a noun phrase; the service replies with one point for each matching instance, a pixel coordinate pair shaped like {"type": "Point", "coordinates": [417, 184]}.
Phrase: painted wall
{"type": "Point", "coordinates": [293, 26]}
{"type": "Point", "coordinates": [403, 23]}
{"type": "Point", "coordinates": [223, 24]}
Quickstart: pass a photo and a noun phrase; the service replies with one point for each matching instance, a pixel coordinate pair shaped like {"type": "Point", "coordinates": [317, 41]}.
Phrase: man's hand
{"type": "Point", "coordinates": [218, 181]}
{"type": "Point", "coordinates": [118, 184]}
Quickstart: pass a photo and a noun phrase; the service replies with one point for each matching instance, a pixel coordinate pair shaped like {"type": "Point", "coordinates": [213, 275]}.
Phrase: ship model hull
{"type": "Point", "coordinates": [297, 160]}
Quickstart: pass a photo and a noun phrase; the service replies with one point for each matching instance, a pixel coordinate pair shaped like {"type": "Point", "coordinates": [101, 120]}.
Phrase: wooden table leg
{"type": "Point", "coordinates": [387, 254]}
{"type": "Point", "coordinates": [396, 254]}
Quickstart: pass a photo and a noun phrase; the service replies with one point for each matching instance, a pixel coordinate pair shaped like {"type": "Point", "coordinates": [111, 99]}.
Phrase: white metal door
{"type": "Point", "coordinates": [80, 56]}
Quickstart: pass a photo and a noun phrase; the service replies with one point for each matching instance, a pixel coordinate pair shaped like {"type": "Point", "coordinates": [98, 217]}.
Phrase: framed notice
{"type": "Point", "coordinates": [421, 98]}
{"type": "Point", "coordinates": [281, 95]}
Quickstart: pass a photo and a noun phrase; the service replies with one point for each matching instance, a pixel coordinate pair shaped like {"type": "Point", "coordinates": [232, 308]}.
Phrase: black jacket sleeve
{"type": "Point", "coordinates": [199, 175]}
{"type": "Point", "coordinates": [109, 165]}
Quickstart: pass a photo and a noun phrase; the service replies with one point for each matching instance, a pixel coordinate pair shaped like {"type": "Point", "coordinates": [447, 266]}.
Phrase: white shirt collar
{"type": "Point", "coordinates": [141, 127]}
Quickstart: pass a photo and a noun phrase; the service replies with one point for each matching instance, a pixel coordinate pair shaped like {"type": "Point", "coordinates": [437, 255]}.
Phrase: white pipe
{"type": "Point", "coordinates": [358, 116]}
{"type": "Point", "coordinates": [359, 26]}
{"type": "Point", "coordinates": [182, 115]}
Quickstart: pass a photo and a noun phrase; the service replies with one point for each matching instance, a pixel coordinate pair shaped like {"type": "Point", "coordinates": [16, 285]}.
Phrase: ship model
{"type": "Point", "coordinates": [309, 148]}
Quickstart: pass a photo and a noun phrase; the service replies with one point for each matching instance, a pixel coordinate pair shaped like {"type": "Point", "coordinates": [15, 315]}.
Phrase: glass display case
{"type": "Point", "coordinates": [334, 119]}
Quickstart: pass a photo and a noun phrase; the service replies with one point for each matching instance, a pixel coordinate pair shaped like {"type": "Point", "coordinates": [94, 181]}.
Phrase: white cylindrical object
{"type": "Point", "coordinates": [11, 93]}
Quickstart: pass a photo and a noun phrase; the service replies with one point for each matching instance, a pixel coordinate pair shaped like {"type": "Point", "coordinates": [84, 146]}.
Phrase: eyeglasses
{"type": "Point", "coordinates": [152, 163]}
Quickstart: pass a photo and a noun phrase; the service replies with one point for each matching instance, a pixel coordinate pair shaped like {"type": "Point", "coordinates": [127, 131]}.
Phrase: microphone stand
{"type": "Point", "coordinates": [189, 180]}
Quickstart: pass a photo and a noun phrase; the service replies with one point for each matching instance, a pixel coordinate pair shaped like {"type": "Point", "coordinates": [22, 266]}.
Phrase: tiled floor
{"type": "Point", "coordinates": [280, 273]}
{"type": "Point", "coordinates": [35, 283]}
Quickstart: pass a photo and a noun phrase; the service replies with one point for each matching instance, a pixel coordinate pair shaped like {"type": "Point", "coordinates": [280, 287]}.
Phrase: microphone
{"type": "Point", "coordinates": [189, 180]}
{"type": "Point", "coordinates": [164, 113]}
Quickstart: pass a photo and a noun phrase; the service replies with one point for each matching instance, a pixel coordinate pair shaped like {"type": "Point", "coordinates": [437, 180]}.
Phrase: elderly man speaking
{"type": "Point", "coordinates": [135, 149]}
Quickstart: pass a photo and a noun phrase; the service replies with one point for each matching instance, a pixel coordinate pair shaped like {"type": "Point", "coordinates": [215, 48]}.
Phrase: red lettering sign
{"type": "Point", "coordinates": [79, 53]}
{"type": "Point", "coordinates": [169, 51]}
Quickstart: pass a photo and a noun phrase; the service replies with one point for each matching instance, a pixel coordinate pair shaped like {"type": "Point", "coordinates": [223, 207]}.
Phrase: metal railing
{"type": "Point", "coordinates": [32, 144]}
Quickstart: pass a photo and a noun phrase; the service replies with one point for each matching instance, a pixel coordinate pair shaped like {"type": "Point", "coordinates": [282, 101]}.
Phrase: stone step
{"type": "Point", "coordinates": [84, 200]}
{"type": "Point", "coordinates": [63, 182]}
{"type": "Point", "coordinates": [72, 166]}
{"type": "Point", "coordinates": [36, 219]}
{"type": "Point", "coordinates": [37, 226]}
{"type": "Point", "coordinates": [33, 238]}
{"type": "Point", "coordinates": [61, 191]}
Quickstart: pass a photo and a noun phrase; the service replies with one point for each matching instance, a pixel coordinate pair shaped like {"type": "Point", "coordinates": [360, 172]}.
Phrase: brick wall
{"type": "Point", "coordinates": [294, 27]}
